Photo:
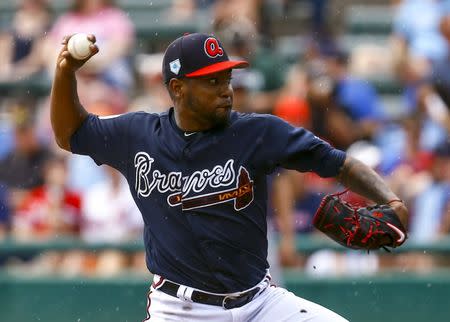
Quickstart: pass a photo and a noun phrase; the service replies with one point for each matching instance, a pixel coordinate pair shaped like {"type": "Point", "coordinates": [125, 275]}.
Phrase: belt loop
{"type": "Point", "coordinates": [157, 281]}
{"type": "Point", "coordinates": [185, 293]}
{"type": "Point", "coordinates": [188, 294]}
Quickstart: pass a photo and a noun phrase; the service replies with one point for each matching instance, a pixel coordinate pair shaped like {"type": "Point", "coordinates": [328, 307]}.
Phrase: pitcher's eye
{"type": "Point", "coordinates": [213, 81]}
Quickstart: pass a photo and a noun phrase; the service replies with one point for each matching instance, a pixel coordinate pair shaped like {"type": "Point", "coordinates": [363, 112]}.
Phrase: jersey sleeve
{"type": "Point", "coordinates": [104, 139]}
{"type": "Point", "coordinates": [298, 149]}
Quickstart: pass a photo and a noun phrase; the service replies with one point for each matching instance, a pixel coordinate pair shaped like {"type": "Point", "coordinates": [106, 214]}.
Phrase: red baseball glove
{"type": "Point", "coordinates": [359, 228]}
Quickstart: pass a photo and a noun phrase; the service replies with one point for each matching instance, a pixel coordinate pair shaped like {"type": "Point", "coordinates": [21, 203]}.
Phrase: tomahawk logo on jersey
{"type": "Point", "coordinates": [203, 196]}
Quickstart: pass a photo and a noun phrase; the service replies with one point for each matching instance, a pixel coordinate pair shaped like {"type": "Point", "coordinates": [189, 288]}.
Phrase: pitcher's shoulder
{"type": "Point", "coordinates": [252, 119]}
{"type": "Point", "coordinates": [142, 117]}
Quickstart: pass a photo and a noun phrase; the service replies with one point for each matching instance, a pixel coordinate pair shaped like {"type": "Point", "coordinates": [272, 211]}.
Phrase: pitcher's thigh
{"type": "Point", "coordinates": [281, 305]}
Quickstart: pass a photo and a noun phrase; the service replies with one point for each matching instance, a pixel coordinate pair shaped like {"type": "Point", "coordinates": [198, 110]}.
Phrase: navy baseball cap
{"type": "Point", "coordinates": [194, 55]}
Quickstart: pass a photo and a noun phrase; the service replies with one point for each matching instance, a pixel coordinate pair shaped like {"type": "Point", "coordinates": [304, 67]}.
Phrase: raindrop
{"type": "Point", "coordinates": [156, 34]}
{"type": "Point", "coordinates": [429, 285]}
{"type": "Point", "coordinates": [314, 267]}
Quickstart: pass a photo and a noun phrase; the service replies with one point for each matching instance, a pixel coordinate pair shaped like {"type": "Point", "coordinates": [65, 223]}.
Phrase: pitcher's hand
{"type": "Point", "coordinates": [66, 63]}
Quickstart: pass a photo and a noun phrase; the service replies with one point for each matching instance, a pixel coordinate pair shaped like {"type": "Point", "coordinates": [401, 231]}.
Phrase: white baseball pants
{"type": "Point", "coordinates": [273, 304]}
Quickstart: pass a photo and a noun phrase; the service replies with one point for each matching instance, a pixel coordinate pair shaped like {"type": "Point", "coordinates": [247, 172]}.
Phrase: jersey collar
{"type": "Point", "coordinates": [183, 134]}
{"type": "Point", "coordinates": [190, 135]}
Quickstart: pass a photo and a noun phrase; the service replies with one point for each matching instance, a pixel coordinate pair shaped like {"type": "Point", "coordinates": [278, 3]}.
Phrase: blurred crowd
{"type": "Point", "coordinates": [46, 193]}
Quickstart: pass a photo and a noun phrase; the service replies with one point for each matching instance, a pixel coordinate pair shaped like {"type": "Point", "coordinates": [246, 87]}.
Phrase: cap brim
{"type": "Point", "coordinates": [218, 67]}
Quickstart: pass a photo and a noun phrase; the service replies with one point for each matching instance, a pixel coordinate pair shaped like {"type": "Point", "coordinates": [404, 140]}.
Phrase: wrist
{"type": "Point", "coordinates": [400, 209]}
{"type": "Point", "coordinates": [395, 202]}
{"type": "Point", "coordinates": [63, 74]}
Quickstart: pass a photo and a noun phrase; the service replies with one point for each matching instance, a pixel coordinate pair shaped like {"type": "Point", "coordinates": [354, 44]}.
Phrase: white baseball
{"type": "Point", "coordinates": [78, 46]}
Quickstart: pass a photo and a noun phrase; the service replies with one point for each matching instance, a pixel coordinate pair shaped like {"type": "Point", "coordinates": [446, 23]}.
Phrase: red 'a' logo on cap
{"type": "Point", "coordinates": [212, 48]}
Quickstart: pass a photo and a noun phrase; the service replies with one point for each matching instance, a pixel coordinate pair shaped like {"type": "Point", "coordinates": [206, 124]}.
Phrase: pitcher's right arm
{"type": "Point", "coordinates": [66, 111]}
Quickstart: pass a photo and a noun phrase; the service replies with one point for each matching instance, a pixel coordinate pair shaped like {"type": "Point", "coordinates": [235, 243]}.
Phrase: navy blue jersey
{"type": "Point", "coordinates": [203, 195]}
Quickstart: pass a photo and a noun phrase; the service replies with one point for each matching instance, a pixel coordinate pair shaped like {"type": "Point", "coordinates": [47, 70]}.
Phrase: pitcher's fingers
{"type": "Point", "coordinates": [94, 49]}
{"type": "Point", "coordinates": [66, 54]}
{"type": "Point", "coordinates": [92, 38]}
{"type": "Point", "coordinates": [65, 39]}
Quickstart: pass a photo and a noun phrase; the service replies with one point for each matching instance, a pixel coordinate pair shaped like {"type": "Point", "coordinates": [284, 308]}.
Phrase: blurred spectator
{"type": "Point", "coordinates": [83, 171]}
{"type": "Point", "coordinates": [226, 12]}
{"type": "Point", "coordinates": [266, 72]}
{"type": "Point", "coordinates": [154, 97]}
{"type": "Point", "coordinates": [6, 130]}
{"type": "Point", "coordinates": [242, 82]}
{"type": "Point", "coordinates": [50, 210]}
{"type": "Point", "coordinates": [434, 96]}
{"type": "Point", "coordinates": [291, 104]}
{"type": "Point", "coordinates": [412, 73]}
{"type": "Point", "coordinates": [21, 45]}
{"type": "Point", "coordinates": [4, 212]}
{"type": "Point", "coordinates": [299, 199]}
{"type": "Point", "coordinates": [109, 212]}
{"type": "Point", "coordinates": [356, 97]}
{"type": "Point", "coordinates": [441, 68]}
{"type": "Point", "coordinates": [416, 29]}
{"type": "Point", "coordinates": [420, 129]}
{"type": "Point", "coordinates": [318, 13]}
{"type": "Point", "coordinates": [22, 168]}
{"type": "Point", "coordinates": [115, 36]}
{"type": "Point", "coordinates": [431, 209]}
{"type": "Point", "coordinates": [294, 205]}
{"type": "Point", "coordinates": [181, 11]}
{"type": "Point", "coordinates": [437, 110]}
{"type": "Point", "coordinates": [328, 121]}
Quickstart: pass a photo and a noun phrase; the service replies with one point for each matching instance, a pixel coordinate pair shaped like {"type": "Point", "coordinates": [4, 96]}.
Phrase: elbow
{"type": "Point", "coordinates": [347, 168]}
{"type": "Point", "coordinates": [63, 143]}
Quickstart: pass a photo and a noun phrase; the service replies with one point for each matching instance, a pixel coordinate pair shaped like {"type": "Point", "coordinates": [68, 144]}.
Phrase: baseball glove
{"type": "Point", "coordinates": [359, 228]}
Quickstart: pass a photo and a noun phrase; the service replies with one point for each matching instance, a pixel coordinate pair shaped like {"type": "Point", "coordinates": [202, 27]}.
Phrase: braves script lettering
{"type": "Point", "coordinates": [148, 179]}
